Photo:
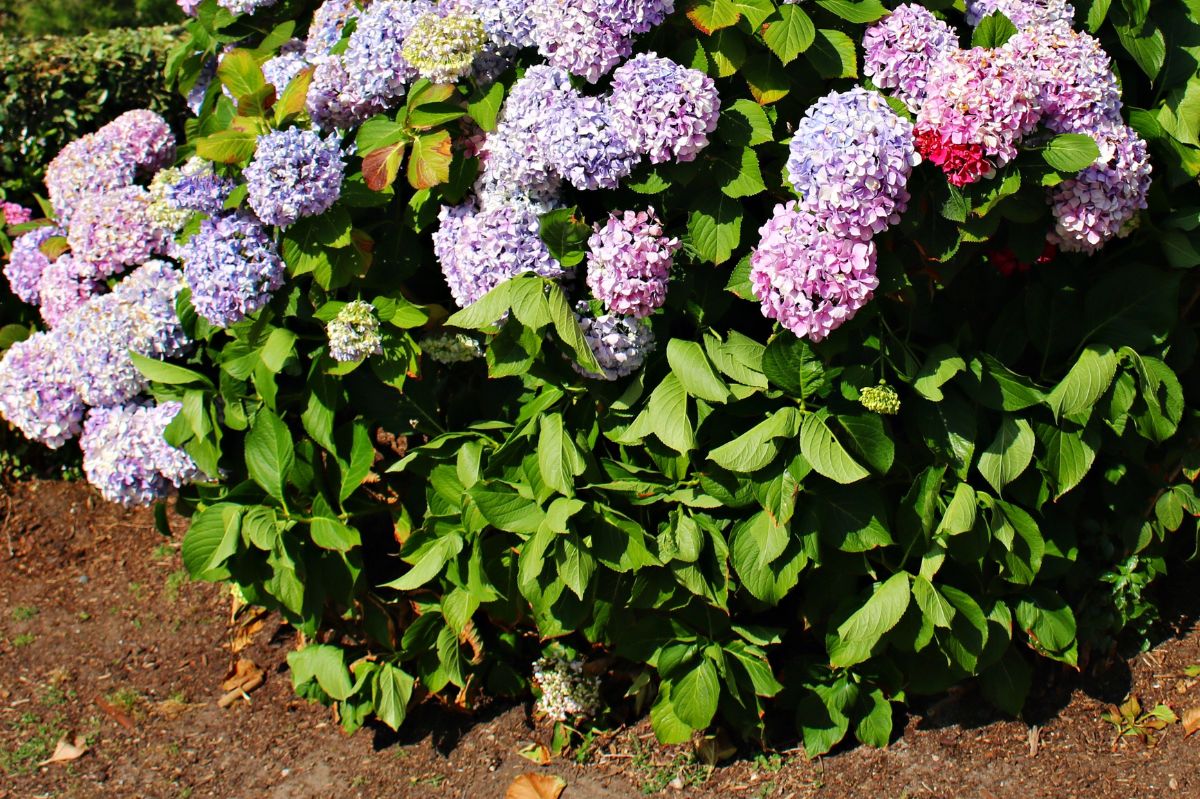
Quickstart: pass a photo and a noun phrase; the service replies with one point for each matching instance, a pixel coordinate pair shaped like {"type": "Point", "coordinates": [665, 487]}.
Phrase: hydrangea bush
{"type": "Point", "coordinates": [756, 365]}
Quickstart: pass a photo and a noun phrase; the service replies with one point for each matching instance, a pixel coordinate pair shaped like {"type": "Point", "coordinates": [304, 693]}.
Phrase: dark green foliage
{"type": "Point", "coordinates": [25, 18]}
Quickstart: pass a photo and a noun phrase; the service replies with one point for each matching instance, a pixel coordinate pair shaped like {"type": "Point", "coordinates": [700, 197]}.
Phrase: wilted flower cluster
{"type": "Point", "coordinates": [567, 692]}
{"type": "Point", "coordinates": [354, 333]}
{"type": "Point", "coordinates": [620, 343]}
{"type": "Point", "coordinates": [629, 262]}
{"type": "Point", "coordinates": [294, 174]}
{"type": "Point", "coordinates": [126, 455]}
{"type": "Point", "coordinates": [232, 266]}
{"type": "Point", "coordinates": [447, 348]}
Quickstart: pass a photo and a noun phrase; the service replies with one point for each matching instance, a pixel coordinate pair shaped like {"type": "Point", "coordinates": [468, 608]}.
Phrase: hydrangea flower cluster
{"type": "Point", "coordinates": [900, 49]}
{"type": "Point", "coordinates": [809, 279]}
{"type": "Point", "coordinates": [113, 230]}
{"type": "Point", "coordinates": [28, 261]}
{"type": "Point", "coordinates": [629, 262]}
{"type": "Point", "coordinates": [620, 343]}
{"type": "Point", "coordinates": [480, 249]}
{"type": "Point", "coordinates": [443, 48]}
{"type": "Point", "coordinates": [849, 160]}
{"type": "Point", "coordinates": [232, 266]}
{"type": "Point", "coordinates": [65, 285]}
{"type": "Point", "coordinates": [327, 24]}
{"type": "Point", "coordinates": [567, 692]}
{"type": "Point", "coordinates": [354, 333]}
{"type": "Point", "coordinates": [1077, 91]}
{"type": "Point", "coordinates": [664, 109]}
{"type": "Point", "coordinates": [15, 214]}
{"type": "Point", "coordinates": [37, 395]}
{"type": "Point", "coordinates": [245, 6]}
{"type": "Point", "coordinates": [283, 68]}
{"type": "Point", "coordinates": [1023, 13]}
{"type": "Point", "coordinates": [882, 399]}
{"type": "Point", "coordinates": [294, 174]}
{"type": "Point", "coordinates": [590, 37]}
{"type": "Point", "coordinates": [126, 455]}
{"type": "Point", "coordinates": [447, 348]}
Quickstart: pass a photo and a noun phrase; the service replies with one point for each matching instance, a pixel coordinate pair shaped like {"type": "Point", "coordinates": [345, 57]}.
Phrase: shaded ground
{"type": "Point", "coordinates": [102, 636]}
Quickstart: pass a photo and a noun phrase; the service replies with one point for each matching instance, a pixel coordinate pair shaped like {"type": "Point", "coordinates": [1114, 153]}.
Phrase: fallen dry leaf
{"type": "Point", "coordinates": [1191, 720]}
{"type": "Point", "coordinates": [535, 786]}
{"type": "Point", "coordinates": [244, 671]}
{"type": "Point", "coordinates": [66, 751]}
{"type": "Point", "coordinates": [538, 753]}
{"type": "Point", "coordinates": [244, 635]}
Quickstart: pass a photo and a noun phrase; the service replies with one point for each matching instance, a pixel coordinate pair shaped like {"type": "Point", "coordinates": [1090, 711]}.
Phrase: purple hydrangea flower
{"type": "Point", "coordinates": [115, 230]}
{"type": "Point", "coordinates": [328, 20]}
{"type": "Point", "coordinates": [294, 174]}
{"type": "Point", "coordinates": [663, 109]}
{"type": "Point", "coordinates": [283, 68]}
{"type": "Point", "coordinates": [620, 343]}
{"type": "Point", "coordinates": [65, 285]}
{"type": "Point", "coordinates": [143, 137]}
{"type": "Point", "coordinates": [27, 262]}
{"type": "Point", "coordinates": [88, 165]}
{"type": "Point", "coordinates": [177, 193]}
{"type": "Point", "coordinates": [981, 97]}
{"type": "Point", "coordinates": [590, 37]}
{"type": "Point", "coordinates": [810, 280]}
{"type": "Point", "coordinates": [584, 146]}
{"type": "Point", "coordinates": [899, 50]}
{"type": "Point", "coordinates": [629, 263]}
{"type": "Point", "coordinates": [479, 250]}
{"type": "Point", "coordinates": [1024, 13]}
{"type": "Point", "coordinates": [374, 56]}
{"type": "Point", "coordinates": [37, 395]}
{"type": "Point", "coordinates": [507, 22]}
{"type": "Point", "coordinates": [199, 91]}
{"type": "Point", "coordinates": [1093, 207]}
{"type": "Point", "coordinates": [245, 6]}
{"type": "Point", "coordinates": [354, 333]}
{"type": "Point", "coordinates": [334, 101]}
{"type": "Point", "coordinates": [1077, 90]}
{"type": "Point", "coordinates": [127, 457]}
{"type": "Point", "coordinates": [15, 214]}
{"type": "Point", "coordinates": [188, 7]}
{"type": "Point", "coordinates": [232, 266]}
{"type": "Point", "coordinates": [850, 160]}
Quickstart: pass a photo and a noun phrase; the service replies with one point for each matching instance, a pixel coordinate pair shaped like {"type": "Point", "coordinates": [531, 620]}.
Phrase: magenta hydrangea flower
{"type": "Point", "coordinates": [663, 109]}
{"type": "Point", "coordinates": [37, 395]}
{"type": "Point", "coordinates": [1092, 208]}
{"type": "Point", "coordinates": [126, 455]}
{"type": "Point", "coordinates": [980, 97]}
{"type": "Point", "coordinates": [850, 159]}
{"type": "Point", "coordinates": [294, 174]}
{"type": "Point", "coordinates": [810, 280]}
{"type": "Point", "coordinates": [1024, 13]}
{"type": "Point", "coordinates": [629, 263]}
{"type": "Point", "coordinates": [65, 285]}
{"type": "Point", "coordinates": [621, 344]}
{"type": "Point", "coordinates": [900, 49]}
{"type": "Point", "coordinates": [232, 266]}
{"type": "Point", "coordinates": [27, 262]}
{"type": "Point", "coordinates": [1077, 91]}
{"type": "Point", "coordinates": [115, 230]}
{"type": "Point", "coordinates": [15, 214]}
{"type": "Point", "coordinates": [480, 249]}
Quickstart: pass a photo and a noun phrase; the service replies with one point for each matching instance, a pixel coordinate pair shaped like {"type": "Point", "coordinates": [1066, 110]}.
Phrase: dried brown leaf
{"type": "Point", "coordinates": [537, 753]}
{"type": "Point", "coordinates": [1191, 720]}
{"type": "Point", "coordinates": [243, 672]}
{"type": "Point", "coordinates": [66, 751]}
{"type": "Point", "coordinates": [535, 786]}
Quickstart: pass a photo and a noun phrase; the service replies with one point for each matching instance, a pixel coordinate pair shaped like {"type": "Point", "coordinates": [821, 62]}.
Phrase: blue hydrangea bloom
{"type": "Point", "coordinates": [232, 266]}
{"type": "Point", "coordinates": [294, 174]}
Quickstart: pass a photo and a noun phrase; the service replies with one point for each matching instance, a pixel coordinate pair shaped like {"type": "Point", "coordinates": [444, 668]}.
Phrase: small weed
{"type": "Point", "coordinates": [173, 749]}
{"type": "Point", "coordinates": [656, 776]}
{"type": "Point", "coordinates": [185, 792]}
{"type": "Point", "coordinates": [125, 698]}
{"type": "Point", "coordinates": [83, 615]}
{"type": "Point", "coordinates": [175, 581]}
{"type": "Point", "coordinates": [179, 697]}
{"type": "Point", "coordinates": [138, 590]}
{"type": "Point", "coordinates": [162, 552]}
{"type": "Point", "coordinates": [1133, 722]}
{"type": "Point", "coordinates": [24, 612]}
{"type": "Point", "coordinates": [24, 639]}
{"type": "Point", "coordinates": [358, 781]}
{"type": "Point", "coordinates": [55, 695]}
{"type": "Point", "coordinates": [432, 780]}
{"type": "Point", "coordinates": [38, 742]}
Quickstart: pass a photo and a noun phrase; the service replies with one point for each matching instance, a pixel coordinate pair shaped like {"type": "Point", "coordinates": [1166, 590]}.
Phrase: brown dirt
{"type": "Point", "coordinates": [101, 636]}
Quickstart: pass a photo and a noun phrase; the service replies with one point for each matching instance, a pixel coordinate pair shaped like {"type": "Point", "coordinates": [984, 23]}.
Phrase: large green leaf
{"type": "Point", "coordinates": [694, 695]}
{"type": "Point", "coordinates": [1009, 454]}
{"type": "Point", "coordinates": [858, 635]}
{"type": "Point", "coordinates": [825, 453]}
{"type": "Point", "coordinates": [270, 454]}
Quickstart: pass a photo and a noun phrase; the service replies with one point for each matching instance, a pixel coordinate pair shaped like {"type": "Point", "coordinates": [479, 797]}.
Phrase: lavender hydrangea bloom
{"type": "Point", "coordinates": [65, 285]}
{"type": "Point", "coordinates": [443, 48]}
{"type": "Point", "coordinates": [334, 101]}
{"type": "Point", "coordinates": [283, 68]}
{"type": "Point", "coordinates": [328, 20]}
{"type": "Point", "coordinates": [37, 395]}
{"type": "Point", "coordinates": [620, 343]}
{"type": "Point", "coordinates": [899, 50]}
{"type": "Point", "coordinates": [810, 280]}
{"type": "Point", "coordinates": [232, 266]}
{"type": "Point", "coordinates": [138, 316]}
{"type": "Point", "coordinates": [245, 6]}
{"type": "Point", "coordinates": [590, 37]}
{"type": "Point", "coordinates": [507, 22]}
{"type": "Point", "coordinates": [294, 174]}
{"type": "Point", "coordinates": [126, 456]}
{"type": "Point", "coordinates": [1076, 88]}
{"type": "Point", "coordinates": [199, 91]}
{"type": "Point", "coordinates": [586, 149]}
{"type": "Point", "coordinates": [88, 165]}
{"type": "Point", "coordinates": [27, 262]}
{"type": "Point", "coordinates": [479, 250]}
{"type": "Point", "coordinates": [629, 263]}
{"type": "Point", "coordinates": [143, 137]}
{"type": "Point", "coordinates": [850, 160]}
{"type": "Point", "coordinates": [1092, 208]}
{"type": "Point", "coordinates": [354, 333]}
{"type": "Point", "coordinates": [115, 230]}
{"type": "Point", "coordinates": [1024, 13]}
{"type": "Point", "coordinates": [15, 214]}
{"type": "Point", "coordinates": [188, 6]}
{"type": "Point", "coordinates": [663, 109]}
{"type": "Point", "coordinates": [374, 56]}
{"type": "Point", "coordinates": [981, 97]}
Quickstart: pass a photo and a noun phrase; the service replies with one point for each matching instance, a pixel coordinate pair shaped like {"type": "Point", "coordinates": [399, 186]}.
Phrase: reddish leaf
{"type": "Point", "coordinates": [429, 164]}
{"type": "Point", "coordinates": [381, 166]}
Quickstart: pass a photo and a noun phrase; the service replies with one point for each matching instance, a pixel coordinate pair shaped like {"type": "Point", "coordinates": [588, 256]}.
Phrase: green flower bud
{"type": "Point", "coordinates": [881, 399]}
{"type": "Point", "coordinates": [442, 49]}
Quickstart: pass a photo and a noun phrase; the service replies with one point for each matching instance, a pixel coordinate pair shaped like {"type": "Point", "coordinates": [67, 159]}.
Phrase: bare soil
{"type": "Point", "coordinates": [104, 640]}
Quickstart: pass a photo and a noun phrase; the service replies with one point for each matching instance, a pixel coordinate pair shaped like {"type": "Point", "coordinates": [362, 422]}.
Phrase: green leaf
{"type": "Point", "coordinates": [484, 106]}
{"type": "Point", "coordinates": [279, 347]}
{"type": "Point", "coordinates": [212, 538]}
{"type": "Point", "coordinates": [667, 414]}
{"type": "Point", "coordinates": [1006, 684]}
{"type": "Point", "coordinates": [940, 367]}
{"type": "Point", "coordinates": [833, 55]}
{"type": "Point", "coordinates": [875, 726]}
{"type": "Point", "coordinates": [167, 374]}
{"type": "Point", "coordinates": [738, 173]}
{"type": "Point", "coordinates": [565, 235]}
{"type": "Point", "coordinates": [1086, 383]}
{"type": "Point", "coordinates": [269, 453]}
{"type": "Point", "coordinates": [1071, 152]}
{"type": "Point", "coordinates": [758, 446]}
{"type": "Point", "coordinates": [334, 534]}
{"type": "Point", "coordinates": [391, 693]}
{"type": "Point", "coordinates": [694, 696]}
{"type": "Point", "coordinates": [790, 34]}
{"type": "Point", "coordinates": [715, 227]}
{"type": "Point", "coordinates": [993, 31]}
{"type": "Point", "coordinates": [933, 605]}
{"type": "Point", "coordinates": [568, 329]}
{"type": "Point", "coordinates": [826, 454]}
{"type": "Point", "coordinates": [1149, 49]}
{"type": "Point", "coordinates": [429, 160]}
{"type": "Point", "coordinates": [506, 509]}
{"type": "Point", "coordinates": [870, 439]}
{"type": "Point", "coordinates": [668, 727]}
{"type": "Point", "coordinates": [559, 458]}
{"type": "Point", "coordinates": [1009, 454]}
{"type": "Point", "coordinates": [793, 365]}
{"type": "Point", "coordinates": [695, 372]}
{"type": "Point", "coordinates": [326, 664]}
{"type": "Point", "coordinates": [853, 520]}
{"type": "Point", "coordinates": [713, 15]}
{"type": "Point", "coordinates": [744, 124]}
{"type": "Point", "coordinates": [859, 634]}
{"type": "Point", "coordinates": [430, 565]}
{"type": "Point", "coordinates": [240, 73]}
{"type": "Point", "coordinates": [856, 11]}
{"type": "Point", "coordinates": [1069, 455]}
{"type": "Point", "coordinates": [227, 147]}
